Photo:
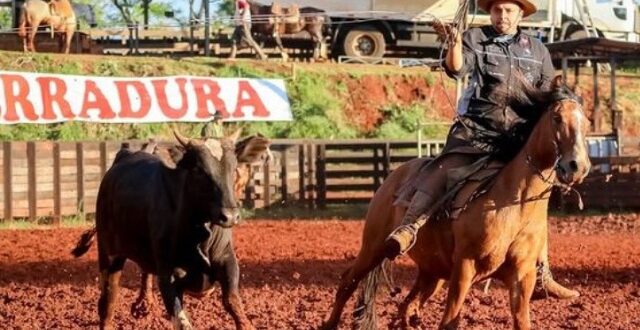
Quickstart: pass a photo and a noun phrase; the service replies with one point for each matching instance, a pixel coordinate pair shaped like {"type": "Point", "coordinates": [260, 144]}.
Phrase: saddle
{"type": "Point", "coordinates": [286, 19]}
{"type": "Point", "coordinates": [464, 184]}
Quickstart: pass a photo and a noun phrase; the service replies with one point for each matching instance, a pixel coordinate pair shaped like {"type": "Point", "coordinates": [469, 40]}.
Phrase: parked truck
{"type": "Point", "coordinates": [373, 28]}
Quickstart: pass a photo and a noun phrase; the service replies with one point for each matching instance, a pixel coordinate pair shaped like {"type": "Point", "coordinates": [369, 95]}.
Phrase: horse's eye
{"type": "Point", "coordinates": [557, 119]}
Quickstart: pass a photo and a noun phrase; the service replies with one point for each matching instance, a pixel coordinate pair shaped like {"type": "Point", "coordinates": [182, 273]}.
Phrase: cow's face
{"type": "Point", "coordinates": [212, 165]}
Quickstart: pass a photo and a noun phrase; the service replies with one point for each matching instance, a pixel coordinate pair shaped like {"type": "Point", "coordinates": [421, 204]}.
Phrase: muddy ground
{"type": "Point", "coordinates": [290, 270]}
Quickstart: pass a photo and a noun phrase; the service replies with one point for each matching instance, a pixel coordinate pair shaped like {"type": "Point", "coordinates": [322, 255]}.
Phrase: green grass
{"type": "Point", "coordinates": [45, 223]}
{"type": "Point", "coordinates": [300, 212]}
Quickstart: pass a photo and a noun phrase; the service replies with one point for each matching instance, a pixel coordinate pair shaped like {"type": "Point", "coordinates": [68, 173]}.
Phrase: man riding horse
{"type": "Point", "coordinates": [484, 130]}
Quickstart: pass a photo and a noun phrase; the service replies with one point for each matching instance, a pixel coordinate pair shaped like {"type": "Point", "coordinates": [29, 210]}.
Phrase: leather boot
{"type": "Point", "coordinates": [404, 237]}
{"type": "Point", "coordinates": [549, 286]}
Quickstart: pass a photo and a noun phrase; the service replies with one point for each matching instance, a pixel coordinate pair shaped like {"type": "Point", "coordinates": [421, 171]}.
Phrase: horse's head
{"type": "Point", "coordinates": [569, 127]}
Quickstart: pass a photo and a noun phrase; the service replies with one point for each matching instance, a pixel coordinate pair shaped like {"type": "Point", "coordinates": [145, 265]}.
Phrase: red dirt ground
{"type": "Point", "coordinates": [290, 270]}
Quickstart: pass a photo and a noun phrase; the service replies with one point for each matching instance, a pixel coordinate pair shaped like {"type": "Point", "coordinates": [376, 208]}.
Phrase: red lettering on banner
{"type": "Point", "coordinates": [252, 99]}
{"type": "Point", "coordinates": [159, 85]}
{"type": "Point", "coordinates": [57, 97]}
{"type": "Point", "coordinates": [126, 110]}
{"type": "Point", "coordinates": [20, 97]}
{"type": "Point", "coordinates": [210, 95]}
{"type": "Point", "coordinates": [100, 102]}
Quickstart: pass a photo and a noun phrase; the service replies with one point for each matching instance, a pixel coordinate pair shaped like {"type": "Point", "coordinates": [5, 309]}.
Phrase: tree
{"type": "Point", "coordinates": [5, 18]}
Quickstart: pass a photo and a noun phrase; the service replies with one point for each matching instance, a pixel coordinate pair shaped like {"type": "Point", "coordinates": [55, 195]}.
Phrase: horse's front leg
{"type": "Point", "coordinates": [520, 291]}
{"type": "Point", "coordinates": [464, 272]}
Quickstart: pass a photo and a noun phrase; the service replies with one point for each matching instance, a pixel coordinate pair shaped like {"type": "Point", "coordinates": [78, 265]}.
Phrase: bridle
{"type": "Point", "coordinates": [564, 188]}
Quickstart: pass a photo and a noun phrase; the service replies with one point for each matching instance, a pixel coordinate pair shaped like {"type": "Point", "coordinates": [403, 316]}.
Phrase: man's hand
{"type": "Point", "coordinates": [450, 34]}
{"type": "Point", "coordinates": [447, 33]}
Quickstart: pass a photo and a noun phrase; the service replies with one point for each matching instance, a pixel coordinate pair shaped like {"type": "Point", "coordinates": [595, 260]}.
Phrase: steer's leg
{"type": "Point", "coordinates": [231, 300]}
{"type": "Point", "coordinates": [146, 300]}
{"type": "Point", "coordinates": [172, 299]}
{"type": "Point", "coordinates": [110, 270]}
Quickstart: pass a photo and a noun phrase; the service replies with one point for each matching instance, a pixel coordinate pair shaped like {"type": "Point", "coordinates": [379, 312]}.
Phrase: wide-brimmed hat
{"type": "Point", "coordinates": [528, 7]}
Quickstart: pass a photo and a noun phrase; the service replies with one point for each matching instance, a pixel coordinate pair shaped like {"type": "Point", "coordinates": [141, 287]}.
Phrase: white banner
{"type": "Point", "coordinates": [49, 98]}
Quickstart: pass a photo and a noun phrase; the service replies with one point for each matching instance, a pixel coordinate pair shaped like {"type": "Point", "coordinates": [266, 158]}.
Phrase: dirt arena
{"type": "Point", "coordinates": [289, 274]}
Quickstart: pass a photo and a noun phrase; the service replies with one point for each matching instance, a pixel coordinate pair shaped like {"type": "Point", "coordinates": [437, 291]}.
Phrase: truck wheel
{"type": "Point", "coordinates": [364, 41]}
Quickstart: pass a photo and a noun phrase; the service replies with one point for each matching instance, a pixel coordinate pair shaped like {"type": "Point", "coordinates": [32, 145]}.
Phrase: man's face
{"type": "Point", "coordinates": [505, 16]}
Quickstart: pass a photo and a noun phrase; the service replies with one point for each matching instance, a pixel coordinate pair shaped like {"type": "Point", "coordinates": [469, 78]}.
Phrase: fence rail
{"type": "Point", "coordinates": [56, 179]}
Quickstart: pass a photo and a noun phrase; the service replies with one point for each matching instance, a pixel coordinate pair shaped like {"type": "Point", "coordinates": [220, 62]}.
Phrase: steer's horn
{"type": "Point", "coordinates": [236, 135]}
{"type": "Point", "coordinates": [183, 140]}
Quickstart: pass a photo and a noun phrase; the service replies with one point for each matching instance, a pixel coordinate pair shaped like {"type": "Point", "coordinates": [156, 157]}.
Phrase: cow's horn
{"type": "Point", "coordinates": [183, 140]}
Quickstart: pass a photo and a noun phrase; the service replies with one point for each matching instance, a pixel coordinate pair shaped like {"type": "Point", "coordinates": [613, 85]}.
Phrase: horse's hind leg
{"type": "Point", "coordinates": [461, 279]}
{"type": "Point", "coordinates": [349, 281]}
{"type": "Point", "coordinates": [285, 56]}
{"type": "Point", "coordinates": [425, 287]}
{"type": "Point", "coordinates": [110, 271]}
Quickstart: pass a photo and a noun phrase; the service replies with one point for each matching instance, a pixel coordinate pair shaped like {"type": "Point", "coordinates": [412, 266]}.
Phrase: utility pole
{"type": "Point", "coordinates": [207, 36]}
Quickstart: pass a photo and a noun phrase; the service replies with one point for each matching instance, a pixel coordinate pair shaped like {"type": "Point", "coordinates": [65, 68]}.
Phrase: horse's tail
{"type": "Point", "coordinates": [84, 243]}
{"type": "Point", "coordinates": [365, 311]}
{"type": "Point", "coordinates": [22, 25]}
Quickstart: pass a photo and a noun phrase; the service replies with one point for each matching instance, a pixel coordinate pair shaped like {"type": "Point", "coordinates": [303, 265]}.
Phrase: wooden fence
{"type": "Point", "coordinates": [51, 179]}
{"type": "Point", "coordinates": [56, 179]}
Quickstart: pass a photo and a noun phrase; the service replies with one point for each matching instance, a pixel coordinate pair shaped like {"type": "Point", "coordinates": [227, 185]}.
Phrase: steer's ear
{"type": "Point", "coordinates": [253, 149]}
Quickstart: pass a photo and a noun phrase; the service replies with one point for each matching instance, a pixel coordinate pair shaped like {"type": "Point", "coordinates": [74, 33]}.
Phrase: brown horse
{"type": "Point", "coordinates": [499, 235]}
{"type": "Point", "coordinates": [274, 21]}
{"type": "Point", "coordinates": [58, 14]}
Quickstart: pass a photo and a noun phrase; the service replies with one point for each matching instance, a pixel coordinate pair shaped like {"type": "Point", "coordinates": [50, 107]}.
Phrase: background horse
{"type": "Point", "coordinates": [274, 21]}
{"type": "Point", "coordinates": [58, 14]}
{"type": "Point", "coordinates": [499, 235]}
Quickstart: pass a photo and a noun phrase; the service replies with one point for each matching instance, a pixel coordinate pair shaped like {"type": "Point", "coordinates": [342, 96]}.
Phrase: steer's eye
{"type": "Point", "coordinates": [557, 119]}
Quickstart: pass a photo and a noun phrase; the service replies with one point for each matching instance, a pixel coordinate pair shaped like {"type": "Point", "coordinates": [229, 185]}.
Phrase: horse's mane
{"type": "Point", "coordinates": [525, 98]}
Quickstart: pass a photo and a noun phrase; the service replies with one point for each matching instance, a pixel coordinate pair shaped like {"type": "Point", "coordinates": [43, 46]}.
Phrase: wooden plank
{"type": "Point", "coordinates": [351, 187]}
{"type": "Point", "coordinates": [80, 177]}
{"type": "Point", "coordinates": [350, 174]}
{"type": "Point", "coordinates": [57, 209]}
{"type": "Point", "coordinates": [7, 167]}
{"type": "Point", "coordinates": [31, 160]}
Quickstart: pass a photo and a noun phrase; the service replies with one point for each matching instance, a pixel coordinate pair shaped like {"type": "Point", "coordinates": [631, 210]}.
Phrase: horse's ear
{"type": "Point", "coordinates": [557, 82]}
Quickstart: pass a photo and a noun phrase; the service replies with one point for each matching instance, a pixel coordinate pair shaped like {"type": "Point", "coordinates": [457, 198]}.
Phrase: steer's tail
{"type": "Point", "coordinates": [22, 25]}
{"type": "Point", "coordinates": [84, 243]}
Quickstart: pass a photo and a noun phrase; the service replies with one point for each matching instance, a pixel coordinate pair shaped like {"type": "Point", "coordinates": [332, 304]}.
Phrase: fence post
{"type": "Point", "coordinates": [103, 158]}
{"type": "Point", "coordinates": [386, 166]}
{"type": "Point", "coordinates": [57, 195]}
{"type": "Point", "coordinates": [321, 178]}
{"type": "Point", "coordinates": [8, 174]}
{"type": "Point", "coordinates": [31, 180]}
{"type": "Point", "coordinates": [80, 178]}
{"type": "Point", "coordinates": [266, 189]}
{"type": "Point", "coordinates": [310, 176]}
{"type": "Point", "coordinates": [284, 174]}
{"type": "Point", "coordinates": [301, 173]}
{"type": "Point", "coordinates": [376, 168]}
